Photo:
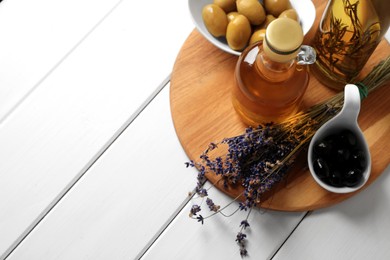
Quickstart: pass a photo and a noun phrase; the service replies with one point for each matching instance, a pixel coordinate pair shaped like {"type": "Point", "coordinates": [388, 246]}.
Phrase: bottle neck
{"type": "Point", "coordinates": [274, 71]}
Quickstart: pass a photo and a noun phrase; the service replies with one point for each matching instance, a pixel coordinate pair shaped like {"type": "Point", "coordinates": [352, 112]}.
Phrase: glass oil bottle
{"type": "Point", "coordinates": [272, 76]}
{"type": "Point", "coordinates": [348, 33]}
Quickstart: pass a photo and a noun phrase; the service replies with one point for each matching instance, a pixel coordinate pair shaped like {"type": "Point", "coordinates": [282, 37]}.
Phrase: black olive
{"type": "Point", "coordinates": [348, 138]}
{"type": "Point", "coordinates": [342, 155]}
{"type": "Point", "coordinates": [332, 139]}
{"type": "Point", "coordinates": [321, 168]}
{"type": "Point", "coordinates": [358, 159]}
{"type": "Point", "coordinates": [335, 179]}
{"type": "Point", "coordinates": [352, 177]}
{"type": "Point", "coordinates": [323, 148]}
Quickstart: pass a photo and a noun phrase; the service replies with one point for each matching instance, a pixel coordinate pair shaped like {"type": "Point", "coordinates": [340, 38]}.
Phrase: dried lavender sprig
{"type": "Point", "coordinates": [303, 126]}
{"type": "Point", "coordinates": [266, 144]}
{"type": "Point", "coordinates": [300, 127]}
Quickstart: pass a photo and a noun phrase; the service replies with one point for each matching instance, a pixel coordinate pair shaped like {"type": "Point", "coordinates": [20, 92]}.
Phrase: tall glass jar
{"type": "Point", "coordinates": [348, 34]}
{"type": "Point", "coordinates": [270, 79]}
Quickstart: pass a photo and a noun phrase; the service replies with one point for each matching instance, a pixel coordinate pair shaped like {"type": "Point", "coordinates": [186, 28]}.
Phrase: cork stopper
{"type": "Point", "coordinates": [283, 39]}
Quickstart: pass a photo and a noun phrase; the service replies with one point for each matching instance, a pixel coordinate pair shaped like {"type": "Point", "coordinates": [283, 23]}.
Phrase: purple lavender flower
{"type": "Point", "coordinates": [211, 205]}
{"type": "Point", "coordinates": [240, 237]}
{"type": "Point", "coordinates": [194, 210]}
{"type": "Point", "coordinates": [244, 224]}
{"type": "Point", "coordinates": [202, 192]}
{"type": "Point", "coordinates": [243, 252]}
{"type": "Point", "coordinates": [253, 159]}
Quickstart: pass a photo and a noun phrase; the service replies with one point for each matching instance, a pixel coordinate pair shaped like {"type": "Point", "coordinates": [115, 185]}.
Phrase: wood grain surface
{"type": "Point", "coordinates": [201, 83]}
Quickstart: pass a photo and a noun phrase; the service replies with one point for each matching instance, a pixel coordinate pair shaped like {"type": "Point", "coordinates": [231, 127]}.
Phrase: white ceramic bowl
{"type": "Point", "coordinates": [346, 119]}
{"type": "Point", "coordinates": [304, 8]}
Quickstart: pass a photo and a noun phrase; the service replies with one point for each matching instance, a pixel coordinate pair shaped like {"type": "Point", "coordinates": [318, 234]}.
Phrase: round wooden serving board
{"type": "Point", "coordinates": [201, 82]}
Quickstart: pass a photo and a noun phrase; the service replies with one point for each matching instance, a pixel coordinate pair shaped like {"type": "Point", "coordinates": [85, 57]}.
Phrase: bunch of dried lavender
{"type": "Point", "coordinates": [261, 157]}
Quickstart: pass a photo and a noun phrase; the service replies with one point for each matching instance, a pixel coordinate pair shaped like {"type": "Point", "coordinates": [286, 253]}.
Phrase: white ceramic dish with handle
{"type": "Point", "coordinates": [304, 8]}
{"type": "Point", "coordinates": [346, 119]}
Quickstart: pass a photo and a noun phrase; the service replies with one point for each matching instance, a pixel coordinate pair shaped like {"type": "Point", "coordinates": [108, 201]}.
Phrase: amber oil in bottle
{"type": "Point", "coordinates": [348, 34]}
{"type": "Point", "coordinates": [270, 83]}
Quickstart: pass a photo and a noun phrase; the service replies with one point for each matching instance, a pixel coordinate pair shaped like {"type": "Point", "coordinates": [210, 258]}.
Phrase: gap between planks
{"type": "Point", "coordinates": [93, 160]}
{"type": "Point", "coordinates": [277, 250]}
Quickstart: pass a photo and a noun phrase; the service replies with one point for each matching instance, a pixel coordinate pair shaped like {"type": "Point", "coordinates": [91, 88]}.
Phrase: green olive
{"type": "Point", "coordinates": [251, 9]}
{"type": "Point", "coordinates": [268, 19]}
{"type": "Point", "coordinates": [238, 32]}
{"type": "Point", "coordinates": [290, 13]}
{"type": "Point", "coordinates": [257, 35]}
{"type": "Point", "coordinates": [276, 7]}
{"type": "Point", "coordinates": [215, 20]}
{"type": "Point", "coordinates": [226, 5]}
{"type": "Point", "coordinates": [231, 16]}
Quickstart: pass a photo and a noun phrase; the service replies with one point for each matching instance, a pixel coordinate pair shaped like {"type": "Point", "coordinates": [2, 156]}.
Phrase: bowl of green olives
{"type": "Point", "coordinates": [338, 154]}
{"type": "Point", "coordinates": [232, 25]}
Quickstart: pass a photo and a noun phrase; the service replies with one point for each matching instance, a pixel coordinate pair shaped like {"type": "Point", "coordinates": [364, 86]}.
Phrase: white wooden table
{"type": "Point", "coordinates": [91, 167]}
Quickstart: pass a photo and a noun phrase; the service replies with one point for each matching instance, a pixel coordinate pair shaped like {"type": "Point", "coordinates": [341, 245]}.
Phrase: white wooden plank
{"type": "Point", "coordinates": [358, 228]}
{"type": "Point", "coordinates": [49, 141]}
{"type": "Point", "coordinates": [123, 201]}
{"type": "Point", "coordinates": [130, 193]}
{"type": "Point", "coordinates": [36, 36]}
{"type": "Point", "coordinates": [185, 238]}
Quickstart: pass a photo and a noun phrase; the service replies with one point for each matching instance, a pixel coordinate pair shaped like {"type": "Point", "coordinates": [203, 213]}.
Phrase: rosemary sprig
{"type": "Point", "coordinates": [346, 45]}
